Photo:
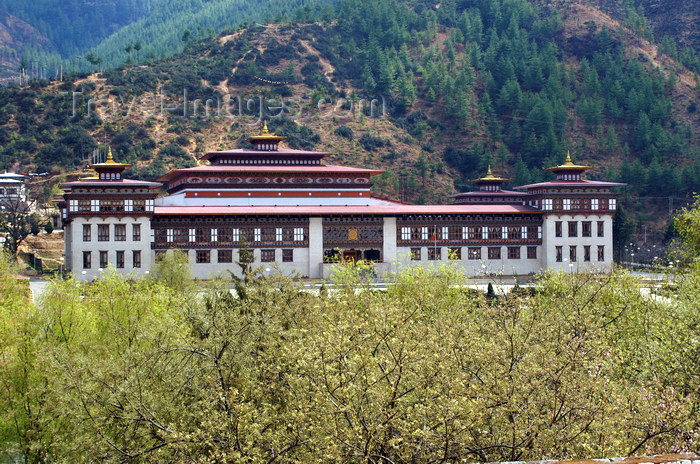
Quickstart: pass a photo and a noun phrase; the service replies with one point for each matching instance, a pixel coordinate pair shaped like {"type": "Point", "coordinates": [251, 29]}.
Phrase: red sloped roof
{"type": "Point", "coordinates": [564, 183]}
{"type": "Point", "coordinates": [321, 169]}
{"type": "Point", "coordinates": [258, 153]}
{"type": "Point", "coordinates": [111, 183]}
{"type": "Point", "coordinates": [388, 210]}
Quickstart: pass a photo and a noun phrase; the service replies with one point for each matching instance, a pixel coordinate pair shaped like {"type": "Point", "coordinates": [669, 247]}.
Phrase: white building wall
{"type": "Point", "coordinates": [74, 232]}
{"type": "Point", "coordinates": [478, 267]}
{"type": "Point", "coordinates": [315, 247]}
{"type": "Point", "coordinates": [215, 269]}
{"type": "Point", "coordinates": [551, 241]}
{"type": "Point", "coordinates": [389, 251]}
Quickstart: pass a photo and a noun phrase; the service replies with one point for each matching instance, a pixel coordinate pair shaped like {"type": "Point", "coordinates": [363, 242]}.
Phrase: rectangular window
{"type": "Point", "coordinates": [454, 253]}
{"type": "Point", "coordinates": [474, 253]}
{"type": "Point", "coordinates": [532, 233]}
{"type": "Point", "coordinates": [136, 258]}
{"type": "Point", "coordinates": [494, 252]}
{"type": "Point", "coordinates": [257, 234]}
{"type": "Point", "coordinates": [103, 259]}
{"type": "Point", "coordinates": [572, 253]}
{"type": "Point", "coordinates": [136, 232]}
{"type": "Point", "coordinates": [601, 253]}
{"type": "Point", "coordinates": [203, 256]}
{"type": "Point", "coordinates": [87, 232]}
{"type": "Point", "coordinates": [102, 232]}
{"type": "Point", "coordinates": [465, 233]}
{"type": "Point", "coordinates": [567, 204]}
{"type": "Point", "coordinates": [434, 253]}
{"type": "Point", "coordinates": [288, 255]}
{"type": "Point", "coordinates": [424, 233]}
{"type": "Point", "coordinates": [120, 259]}
{"type": "Point", "coordinates": [225, 256]}
{"type": "Point", "coordinates": [87, 259]}
{"type": "Point", "coordinates": [445, 233]}
{"type": "Point", "coordinates": [475, 233]}
{"type": "Point", "coordinates": [484, 233]}
{"type": "Point", "coordinates": [573, 228]}
{"type": "Point", "coordinates": [120, 232]}
{"type": "Point", "coordinates": [214, 235]}
{"type": "Point", "coordinates": [495, 233]}
{"type": "Point", "coordinates": [202, 235]}
{"type": "Point", "coordinates": [513, 252]}
{"type": "Point", "coordinates": [612, 204]}
{"type": "Point", "coordinates": [560, 254]}
{"type": "Point", "coordinates": [515, 233]}
{"type": "Point", "coordinates": [299, 234]}
{"type": "Point", "coordinates": [128, 206]}
{"type": "Point", "coordinates": [267, 256]}
{"type": "Point", "coordinates": [594, 204]}
{"type": "Point", "coordinates": [586, 252]}
{"type": "Point", "coordinates": [557, 229]}
{"type": "Point", "coordinates": [531, 252]}
{"type": "Point", "coordinates": [405, 233]}
{"type": "Point", "coordinates": [415, 254]}
{"type": "Point", "coordinates": [95, 206]}
{"type": "Point", "coordinates": [278, 234]}
{"type": "Point", "coordinates": [586, 229]}
{"type": "Point", "coordinates": [171, 235]}
{"type": "Point", "coordinates": [547, 204]}
{"type": "Point", "coordinates": [235, 235]}
{"type": "Point", "coordinates": [192, 235]}
{"type": "Point", "coordinates": [601, 229]}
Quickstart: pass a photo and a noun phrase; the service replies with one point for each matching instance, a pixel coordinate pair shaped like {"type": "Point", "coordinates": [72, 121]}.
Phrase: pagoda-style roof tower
{"type": "Point", "coordinates": [265, 141]}
{"type": "Point", "coordinates": [490, 183]}
{"type": "Point", "coordinates": [569, 171]}
{"type": "Point", "coordinates": [109, 170]}
{"type": "Point", "coordinates": [268, 174]}
{"type": "Point", "coordinates": [489, 191]}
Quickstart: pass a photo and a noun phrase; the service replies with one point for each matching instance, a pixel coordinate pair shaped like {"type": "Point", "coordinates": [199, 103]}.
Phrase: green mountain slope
{"type": "Point", "coordinates": [465, 85]}
{"type": "Point", "coordinates": [171, 23]}
{"type": "Point", "coordinates": [76, 25]}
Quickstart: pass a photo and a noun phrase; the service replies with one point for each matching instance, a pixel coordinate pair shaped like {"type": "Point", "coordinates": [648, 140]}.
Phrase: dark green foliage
{"type": "Point", "coordinates": [344, 131]}
{"type": "Point", "coordinates": [177, 155]}
{"type": "Point", "coordinates": [371, 143]}
{"type": "Point", "coordinates": [298, 136]}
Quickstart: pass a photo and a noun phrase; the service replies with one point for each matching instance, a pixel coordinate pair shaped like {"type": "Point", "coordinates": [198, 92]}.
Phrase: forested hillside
{"type": "Point", "coordinates": [76, 25]}
{"type": "Point", "coordinates": [467, 84]}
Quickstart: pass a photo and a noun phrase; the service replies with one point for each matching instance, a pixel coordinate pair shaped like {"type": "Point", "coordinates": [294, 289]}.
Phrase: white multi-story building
{"type": "Point", "coordinates": [12, 188]}
{"type": "Point", "coordinates": [287, 208]}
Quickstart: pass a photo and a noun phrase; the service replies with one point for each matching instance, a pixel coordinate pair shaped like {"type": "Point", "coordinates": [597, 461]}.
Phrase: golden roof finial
{"type": "Point", "coordinates": [488, 174]}
{"type": "Point", "coordinates": [265, 131]}
{"type": "Point", "coordinates": [109, 154]}
{"type": "Point", "coordinates": [568, 156]}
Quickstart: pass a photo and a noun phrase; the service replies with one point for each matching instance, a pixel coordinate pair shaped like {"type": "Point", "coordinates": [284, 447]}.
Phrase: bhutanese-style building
{"type": "Point", "coordinates": [289, 208]}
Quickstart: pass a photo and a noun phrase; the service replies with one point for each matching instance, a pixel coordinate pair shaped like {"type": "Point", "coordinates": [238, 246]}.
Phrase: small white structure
{"type": "Point", "coordinates": [12, 187]}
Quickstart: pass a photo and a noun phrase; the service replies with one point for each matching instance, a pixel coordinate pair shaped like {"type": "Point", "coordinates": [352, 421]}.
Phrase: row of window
{"type": "Point", "coordinates": [118, 263]}
{"type": "Point", "coordinates": [473, 253]}
{"type": "Point", "coordinates": [119, 232]}
{"type": "Point", "coordinates": [568, 204]}
{"type": "Point", "coordinates": [226, 256]}
{"type": "Point", "coordinates": [434, 233]}
{"type": "Point", "coordinates": [110, 206]}
{"type": "Point", "coordinates": [231, 235]}
{"type": "Point", "coordinates": [586, 228]}
{"type": "Point", "coordinates": [573, 255]}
